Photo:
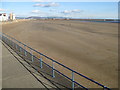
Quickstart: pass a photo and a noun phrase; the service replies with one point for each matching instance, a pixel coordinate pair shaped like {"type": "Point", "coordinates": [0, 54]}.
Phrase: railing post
{"type": "Point", "coordinates": [73, 84]}
{"type": "Point", "coordinates": [5, 39]}
{"type": "Point", "coordinates": [25, 50]}
{"type": "Point", "coordinates": [53, 71]}
{"type": "Point", "coordinates": [104, 88]}
{"type": "Point", "coordinates": [32, 55]}
{"type": "Point", "coordinates": [16, 47]}
{"type": "Point", "coordinates": [9, 42]}
{"type": "Point", "coordinates": [20, 49]}
{"type": "Point", "coordinates": [13, 45]}
{"type": "Point", "coordinates": [41, 63]}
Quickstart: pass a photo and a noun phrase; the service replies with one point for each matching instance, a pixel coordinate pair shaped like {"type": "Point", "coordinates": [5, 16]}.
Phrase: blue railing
{"type": "Point", "coordinates": [10, 40]}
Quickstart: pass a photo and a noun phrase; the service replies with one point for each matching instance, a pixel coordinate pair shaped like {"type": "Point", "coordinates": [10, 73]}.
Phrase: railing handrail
{"type": "Point", "coordinates": [57, 62]}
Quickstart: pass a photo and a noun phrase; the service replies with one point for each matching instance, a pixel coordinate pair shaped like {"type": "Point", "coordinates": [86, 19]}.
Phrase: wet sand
{"type": "Point", "coordinates": [90, 48]}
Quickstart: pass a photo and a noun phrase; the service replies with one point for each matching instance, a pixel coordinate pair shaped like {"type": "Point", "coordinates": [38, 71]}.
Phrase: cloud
{"type": "Point", "coordinates": [66, 11]}
{"type": "Point", "coordinates": [52, 10]}
{"type": "Point", "coordinates": [39, 13]}
{"type": "Point", "coordinates": [71, 11]}
{"type": "Point", "coordinates": [76, 10]}
{"type": "Point", "coordinates": [2, 9]}
{"type": "Point", "coordinates": [36, 11]}
{"type": "Point", "coordinates": [37, 0]}
{"type": "Point", "coordinates": [53, 4]}
{"type": "Point", "coordinates": [41, 0]}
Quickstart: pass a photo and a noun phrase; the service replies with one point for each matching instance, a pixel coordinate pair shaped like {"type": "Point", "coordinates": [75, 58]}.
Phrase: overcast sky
{"type": "Point", "coordinates": [64, 9]}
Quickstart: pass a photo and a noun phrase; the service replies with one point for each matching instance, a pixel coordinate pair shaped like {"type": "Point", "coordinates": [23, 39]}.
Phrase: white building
{"type": "Point", "coordinates": [12, 16]}
{"type": "Point", "coordinates": [3, 17]}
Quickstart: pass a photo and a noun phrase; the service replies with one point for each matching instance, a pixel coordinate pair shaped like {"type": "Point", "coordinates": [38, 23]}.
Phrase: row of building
{"type": "Point", "coordinates": [5, 17]}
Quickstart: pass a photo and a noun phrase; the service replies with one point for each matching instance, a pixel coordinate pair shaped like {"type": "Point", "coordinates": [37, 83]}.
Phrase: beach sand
{"type": "Point", "coordinates": [90, 48]}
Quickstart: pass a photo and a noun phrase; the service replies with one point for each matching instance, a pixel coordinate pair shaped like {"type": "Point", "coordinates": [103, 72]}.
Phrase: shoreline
{"type": "Point", "coordinates": [80, 20]}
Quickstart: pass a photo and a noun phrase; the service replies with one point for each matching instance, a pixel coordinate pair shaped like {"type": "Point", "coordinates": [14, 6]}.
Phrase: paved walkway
{"type": "Point", "coordinates": [15, 75]}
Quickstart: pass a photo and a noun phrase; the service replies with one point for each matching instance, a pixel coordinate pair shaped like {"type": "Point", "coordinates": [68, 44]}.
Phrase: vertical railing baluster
{"type": "Point", "coordinates": [13, 45]}
{"type": "Point", "coordinates": [104, 88]}
{"type": "Point", "coordinates": [16, 47]}
{"type": "Point", "coordinates": [8, 42]}
{"type": "Point", "coordinates": [5, 40]}
{"type": "Point", "coordinates": [25, 50]}
{"type": "Point", "coordinates": [73, 84]}
{"type": "Point", "coordinates": [32, 55]}
{"type": "Point", "coordinates": [41, 63]}
{"type": "Point", "coordinates": [20, 49]}
{"type": "Point", "coordinates": [53, 71]}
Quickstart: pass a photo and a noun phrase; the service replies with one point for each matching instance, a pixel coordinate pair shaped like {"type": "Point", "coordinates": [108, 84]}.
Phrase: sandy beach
{"type": "Point", "coordinates": [90, 48]}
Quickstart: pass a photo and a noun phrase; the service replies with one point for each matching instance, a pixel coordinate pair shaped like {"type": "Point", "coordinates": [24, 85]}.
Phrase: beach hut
{"type": "Point", "coordinates": [3, 17]}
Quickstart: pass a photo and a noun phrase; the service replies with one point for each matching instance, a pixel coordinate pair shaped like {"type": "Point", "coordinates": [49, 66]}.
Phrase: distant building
{"type": "Point", "coordinates": [3, 17]}
{"type": "Point", "coordinates": [12, 16]}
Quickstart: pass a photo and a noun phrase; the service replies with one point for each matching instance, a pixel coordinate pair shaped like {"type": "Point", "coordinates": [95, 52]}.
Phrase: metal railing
{"type": "Point", "coordinates": [12, 42]}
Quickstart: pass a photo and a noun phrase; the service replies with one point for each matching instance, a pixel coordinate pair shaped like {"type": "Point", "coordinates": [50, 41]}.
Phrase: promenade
{"type": "Point", "coordinates": [16, 73]}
